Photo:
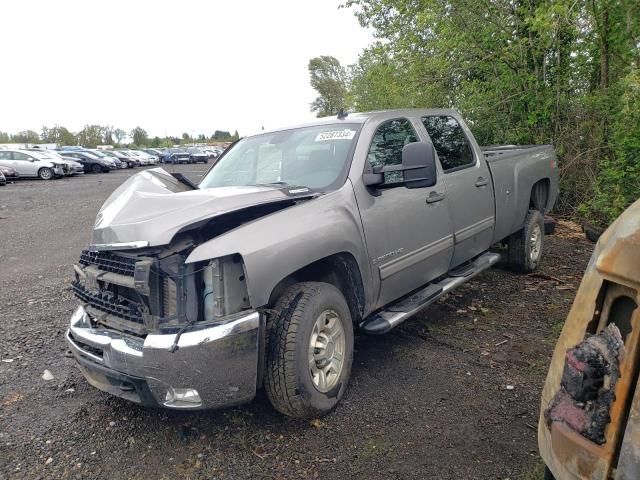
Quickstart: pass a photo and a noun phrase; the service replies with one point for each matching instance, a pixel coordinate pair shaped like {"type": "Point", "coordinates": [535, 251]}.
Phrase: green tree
{"type": "Point", "coordinates": [26, 136]}
{"type": "Point", "coordinates": [59, 135]}
{"type": "Point", "coordinates": [119, 134]}
{"type": "Point", "coordinates": [139, 136]}
{"type": "Point", "coordinates": [108, 136]}
{"type": "Point", "coordinates": [220, 136]}
{"type": "Point", "coordinates": [91, 136]}
{"type": "Point", "coordinates": [4, 137]}
{"type": "Point", "coordinates": [328, 78]}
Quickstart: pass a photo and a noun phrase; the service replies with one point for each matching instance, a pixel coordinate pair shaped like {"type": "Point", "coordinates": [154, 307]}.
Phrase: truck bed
{"type": "Point", "coordinates": [513, 168]}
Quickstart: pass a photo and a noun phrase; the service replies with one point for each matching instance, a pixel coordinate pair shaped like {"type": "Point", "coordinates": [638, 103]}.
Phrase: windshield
{"type": "Point", "coordinates": [313, 157]}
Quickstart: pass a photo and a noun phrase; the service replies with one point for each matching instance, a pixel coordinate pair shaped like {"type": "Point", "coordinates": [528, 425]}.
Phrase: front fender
{"type": "Point", "coordinates": [279, 244]}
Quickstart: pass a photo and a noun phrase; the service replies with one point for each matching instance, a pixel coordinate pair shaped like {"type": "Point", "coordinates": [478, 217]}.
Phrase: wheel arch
{"type": "Point", "coordinates": [539, 195]}
{"type": "Point", "coordinates": [340, 270]}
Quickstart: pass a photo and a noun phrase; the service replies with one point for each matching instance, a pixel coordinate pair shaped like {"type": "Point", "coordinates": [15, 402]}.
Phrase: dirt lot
{"type": "Point", "coordinates": [432, 399]}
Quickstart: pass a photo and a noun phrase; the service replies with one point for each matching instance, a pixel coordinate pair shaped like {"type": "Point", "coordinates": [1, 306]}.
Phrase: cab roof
{"type": "Point", "coordinates": [364, 117]}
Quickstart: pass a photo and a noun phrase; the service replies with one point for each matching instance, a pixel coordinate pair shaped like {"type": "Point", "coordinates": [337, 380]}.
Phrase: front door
{"type": "Point", "coordinates": [469, 187]}
{"type": "Point", "coordinates": [25, 164]}
{"type": "Point", "coordinates": [408, 231]}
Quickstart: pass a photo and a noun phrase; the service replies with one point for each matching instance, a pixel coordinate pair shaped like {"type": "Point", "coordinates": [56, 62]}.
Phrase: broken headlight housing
{"type": "Point", "coordinates": [225, 287]}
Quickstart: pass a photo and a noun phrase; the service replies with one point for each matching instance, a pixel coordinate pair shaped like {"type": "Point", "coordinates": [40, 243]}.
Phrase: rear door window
{"type": "Point", "coordinates": [450, 142]}
{"type": "Point", "coordinates": [21, 156]}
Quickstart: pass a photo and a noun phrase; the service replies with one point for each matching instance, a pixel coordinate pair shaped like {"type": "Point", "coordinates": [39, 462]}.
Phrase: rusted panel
{"type": "Point", "coordinates": [577, 456]}
{"type": "Point", "coordinates": [570, 456]}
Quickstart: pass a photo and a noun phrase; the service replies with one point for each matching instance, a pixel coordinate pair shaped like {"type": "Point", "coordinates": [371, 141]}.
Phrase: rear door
{"type": "Point", "coordinates": [408, 231]}
{"type": "Point", "coordinates": [468, 183]}
{"type": "Point", "coordinates": [25, 164]}
{"type": "Point", "coordinates": [6, 159]}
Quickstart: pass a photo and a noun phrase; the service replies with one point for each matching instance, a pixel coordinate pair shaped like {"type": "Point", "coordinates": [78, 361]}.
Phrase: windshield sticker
{"type": "Point", "coordinates": [336, 135]}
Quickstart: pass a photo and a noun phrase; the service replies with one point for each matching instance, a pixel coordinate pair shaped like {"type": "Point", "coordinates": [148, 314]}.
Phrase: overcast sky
{"type": "Point", "coordinates": [167, 66]}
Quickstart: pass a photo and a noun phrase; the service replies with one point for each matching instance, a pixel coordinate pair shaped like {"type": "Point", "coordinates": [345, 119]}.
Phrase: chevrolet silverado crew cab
{"type": "Point", "coordinates": [195, 296]}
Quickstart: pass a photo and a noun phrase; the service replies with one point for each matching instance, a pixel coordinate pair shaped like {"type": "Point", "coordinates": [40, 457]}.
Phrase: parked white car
{"type": "Point", "coordinates": [145, 158]}
{"type": "Point", "coordinates": [32, 164]}
{"type": "Point", "coordinates": [72, 167]}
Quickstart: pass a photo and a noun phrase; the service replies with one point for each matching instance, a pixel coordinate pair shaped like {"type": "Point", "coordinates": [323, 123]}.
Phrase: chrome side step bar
{"type": "Point", "coordinates": [396, 313]}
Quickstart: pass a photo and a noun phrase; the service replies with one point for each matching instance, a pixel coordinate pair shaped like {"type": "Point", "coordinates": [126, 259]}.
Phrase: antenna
{"type": "Point", "coordinates": [342, 114]}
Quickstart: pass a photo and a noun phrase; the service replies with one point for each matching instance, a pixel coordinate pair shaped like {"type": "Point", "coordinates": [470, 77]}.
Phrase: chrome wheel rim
{"type": "Point", "coordinates": [45, 174]}
{"type": "Point", "coordinates": [535, 243]}
{"type": "Point", "coordinates": [326, 351]}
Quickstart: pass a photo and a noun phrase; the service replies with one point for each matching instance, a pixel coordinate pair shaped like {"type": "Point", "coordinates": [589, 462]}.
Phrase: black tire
{"type": "Point", "coordinates": [96, 168]}
{"type": "Point", "coordinates": [522, 255]}
{"type": "Point", "coordinates": [592, 233]}
{"type": "Point", "coordinates": [548, 475]}
{"type": "Point", "coordinates": [45, 173]}
{"type": "Point", "coordinates": [288, 380]}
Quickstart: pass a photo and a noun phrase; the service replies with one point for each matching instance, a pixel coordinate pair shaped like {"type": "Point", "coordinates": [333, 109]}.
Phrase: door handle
{"type": "Point", "coordinates": [435, 197]}
{"type": "Point", "coordinates": [482, 182]}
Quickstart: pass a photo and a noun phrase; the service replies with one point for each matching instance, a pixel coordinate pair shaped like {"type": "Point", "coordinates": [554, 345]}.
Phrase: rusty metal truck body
{"type": "Point", "coordinates": [608, 295]}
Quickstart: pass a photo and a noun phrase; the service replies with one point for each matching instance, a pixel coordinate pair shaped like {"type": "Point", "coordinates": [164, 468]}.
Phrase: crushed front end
{"type": "Point", "coordinates": [161, 332]}
{"type": "Point", "coordinates": [589, 424]}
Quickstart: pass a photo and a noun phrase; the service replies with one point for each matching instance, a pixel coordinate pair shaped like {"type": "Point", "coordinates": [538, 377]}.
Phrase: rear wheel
{"type": "Point", "coordinates": [526, 246]}
{"type": "Point", "coordinates": [45, 173]}
{"type": "Point", "coordinates": [309, 350]}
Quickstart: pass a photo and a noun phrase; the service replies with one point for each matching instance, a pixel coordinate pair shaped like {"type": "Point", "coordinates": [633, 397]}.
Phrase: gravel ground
{"type": "Point", "coordinates": [451, 394]}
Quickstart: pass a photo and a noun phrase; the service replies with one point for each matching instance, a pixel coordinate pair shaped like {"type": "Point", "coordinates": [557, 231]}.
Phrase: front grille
{"type": "Point", "coordinates": [109, 262]}
{"type": "Point", "coordinates": [107, 302]}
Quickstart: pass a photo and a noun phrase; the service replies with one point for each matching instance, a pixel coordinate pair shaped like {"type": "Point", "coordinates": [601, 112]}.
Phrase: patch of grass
{"type": "Point", "coordinates": [535, 367]}
{"type": "Point", "coordinates": [556, 329]}
{"type": "Point", "coordinates": [535, 472]}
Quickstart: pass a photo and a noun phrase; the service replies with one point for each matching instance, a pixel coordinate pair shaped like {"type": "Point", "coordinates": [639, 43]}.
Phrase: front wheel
{"type": "Point", "coordinates": [309, 350]}
{"type": "Point", "coordinates": [526, 246]}
{"type": "Point", "coordinates": [45, 173]}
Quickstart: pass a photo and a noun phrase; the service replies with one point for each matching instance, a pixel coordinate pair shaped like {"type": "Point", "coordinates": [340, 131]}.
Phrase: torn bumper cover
{"type": "Point", "coordinates": [213, 366]}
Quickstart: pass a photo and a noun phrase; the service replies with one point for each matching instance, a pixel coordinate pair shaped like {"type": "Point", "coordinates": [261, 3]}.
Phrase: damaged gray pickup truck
{"type": "Point", "coordinates": [196, 296]}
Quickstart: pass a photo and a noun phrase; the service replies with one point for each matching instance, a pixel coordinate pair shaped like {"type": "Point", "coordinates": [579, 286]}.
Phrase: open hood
{"type": "Point", "coordinates": [153, 206]}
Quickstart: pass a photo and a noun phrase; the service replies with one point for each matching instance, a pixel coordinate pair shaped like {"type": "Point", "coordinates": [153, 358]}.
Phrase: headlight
{"type": "Point", "coordinates": [169, 297]}
{"type": "Point", "coordinates": [225, 287]}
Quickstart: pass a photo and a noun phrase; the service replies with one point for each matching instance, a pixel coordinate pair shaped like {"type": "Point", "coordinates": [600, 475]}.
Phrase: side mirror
{"type": "Point", "coordinates": [419, 165]}
{"type": "Point", "coordinates": [375, 177]}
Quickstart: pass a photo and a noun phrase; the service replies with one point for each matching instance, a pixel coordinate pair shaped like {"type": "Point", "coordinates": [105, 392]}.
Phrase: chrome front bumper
{"type": "Point", "coordinates": [219, 363]}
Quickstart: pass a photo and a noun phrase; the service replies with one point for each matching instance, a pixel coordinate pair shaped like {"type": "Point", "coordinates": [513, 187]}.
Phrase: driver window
{"type": "Point", "coordinates": [386, 146]}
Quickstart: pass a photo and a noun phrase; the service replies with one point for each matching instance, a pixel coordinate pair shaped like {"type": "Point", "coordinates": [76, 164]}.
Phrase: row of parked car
{"type": "Point", "coordinates": [69, 161]}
